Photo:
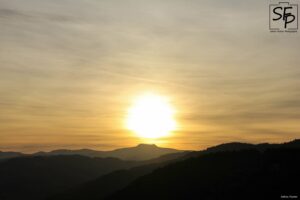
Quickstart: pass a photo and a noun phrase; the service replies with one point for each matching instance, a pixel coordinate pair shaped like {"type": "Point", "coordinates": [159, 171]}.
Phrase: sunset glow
{"type": "Point", "coordinates": [151, 116]}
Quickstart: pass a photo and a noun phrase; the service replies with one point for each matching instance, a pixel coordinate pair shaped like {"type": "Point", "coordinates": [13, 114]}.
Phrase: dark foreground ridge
{"type": "Point", "coordinates": [227, 171]}
{"type": "Point", "coordinates": [245, 174]}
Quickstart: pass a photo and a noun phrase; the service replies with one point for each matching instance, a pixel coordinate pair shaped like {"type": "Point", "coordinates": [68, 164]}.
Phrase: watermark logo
{"type": "Point", "coordinates": [283, 17]}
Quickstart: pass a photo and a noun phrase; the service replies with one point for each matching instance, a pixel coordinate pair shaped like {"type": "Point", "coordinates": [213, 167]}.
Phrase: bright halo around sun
{"type": "Point", "coordinates": [151, 116]}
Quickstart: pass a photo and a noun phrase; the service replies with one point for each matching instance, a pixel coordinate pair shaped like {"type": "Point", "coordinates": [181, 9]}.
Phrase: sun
{"type": "Point", "coordinates": [151, 116]}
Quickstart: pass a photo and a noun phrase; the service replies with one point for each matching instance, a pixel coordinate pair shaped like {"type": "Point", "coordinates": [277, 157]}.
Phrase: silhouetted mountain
{"type": "Point", "coordinates": [101, 187]}
{"type": "Point", "coordinates": [7, 155]}
{"type": "Point", "coordinates": [226, 171]}
{"type": "Point", "coordinates": [140, 152]}
{"type": "Point", "coordinates": [245, 174]}
{"type": "Point", "coordinates": [233, 146]}
{"type": "Point", "coordinates": [238, 146]}
{"type": "Point", "coordinates": [295, 143]}
{"type": "Point", "coordinates": [114, 181]}
{"type": "Point", "coordinates": [35, 177]}
{"type": "Point", "coordinates": [105, 185]}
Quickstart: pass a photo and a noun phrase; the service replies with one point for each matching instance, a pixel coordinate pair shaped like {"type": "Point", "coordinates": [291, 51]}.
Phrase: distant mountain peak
{"type": "Point", "coordinates": [146, 145]}
{"type": "Point", "coordinates": [139, 152]}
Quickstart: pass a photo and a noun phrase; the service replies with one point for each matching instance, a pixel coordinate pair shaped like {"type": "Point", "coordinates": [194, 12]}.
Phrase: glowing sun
{"type": "Point", "coordinates": [151, 116]}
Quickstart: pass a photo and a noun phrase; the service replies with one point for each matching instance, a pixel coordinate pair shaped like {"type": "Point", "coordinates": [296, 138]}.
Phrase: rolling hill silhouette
{"type": "Point", "coordinates": [107, 184]}
{"type": "Point", "coordinates": [226, 171]}
{"type": "Point", "coordinates": [8, 155]}
{"type": "Point", "coordinates": [37, 177]}
{"type": "Point", "coordinates": [194, 175]}
{"type": "Point", "coordinates": [40, 175]}
{"type": "Point", "coordinates": [261, 172]}
{"type": "Point", "coordinates": [139, 152]}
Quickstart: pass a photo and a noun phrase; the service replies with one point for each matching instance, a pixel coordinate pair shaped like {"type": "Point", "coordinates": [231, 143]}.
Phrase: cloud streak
{"type": "Point", "coordinates": [81, 63]}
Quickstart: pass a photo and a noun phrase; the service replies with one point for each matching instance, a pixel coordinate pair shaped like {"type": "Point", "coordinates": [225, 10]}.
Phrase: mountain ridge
{"type": "Point", "coordinates": [117, 153]}
{"type": "Point", "coordinates": [139, 152]}
{"type": "Point", "coordinates": [116, 181]}
{"type": "Point", "coordinates": [233, 173]}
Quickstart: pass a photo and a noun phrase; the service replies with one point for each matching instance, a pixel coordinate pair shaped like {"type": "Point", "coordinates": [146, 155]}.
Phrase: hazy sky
{"type": "Point", "coordinates": [69, 70]}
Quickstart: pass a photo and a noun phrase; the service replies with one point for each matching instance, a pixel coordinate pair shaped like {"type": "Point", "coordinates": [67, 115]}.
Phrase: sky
{"type": "Point", "coordinates": [70, 69]}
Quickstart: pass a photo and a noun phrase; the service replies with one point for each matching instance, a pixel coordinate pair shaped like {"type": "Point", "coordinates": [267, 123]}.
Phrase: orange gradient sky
{"type": "Point", "coordinates": [70, 70]}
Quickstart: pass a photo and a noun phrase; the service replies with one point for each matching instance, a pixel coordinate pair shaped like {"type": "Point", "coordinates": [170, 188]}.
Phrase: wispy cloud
{"type": "Point", "coordinates": [80, 63]}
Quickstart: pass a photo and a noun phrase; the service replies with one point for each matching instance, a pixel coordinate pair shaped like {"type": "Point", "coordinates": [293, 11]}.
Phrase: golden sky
{"type": "Point", "coordinates": [70, 69]}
